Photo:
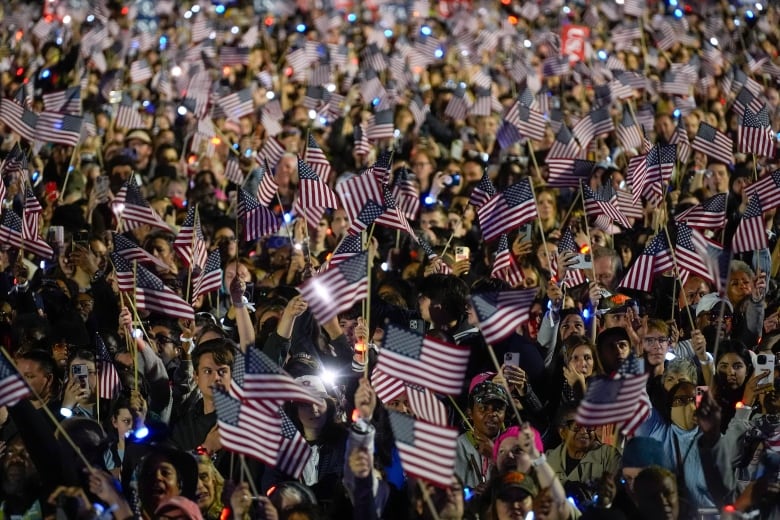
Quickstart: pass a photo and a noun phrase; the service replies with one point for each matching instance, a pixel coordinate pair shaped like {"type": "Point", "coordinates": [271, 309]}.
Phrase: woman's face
{"type": "Point", "coordinates": [546, 206]}
{"type": "Point", "coordinates": [544, 252]}
{"type": "Point", "coordinates": [740, 285]}
{"type": "Point", "coordinates": [312, 416]}
{"type": "Point", "coordinates": [206, 491]}
{"type": "Point", "coordinates": [582, 358]}
{"type": "Point", "coordinates": [161, 249]}
{"type": "Point", "coordinates": [732, 370]}
{"type": "Point", "coordinates": [158, 482]}
{"type": "Point", "coordinates": [684, 407]}
{"type": "Point", "coordinates": [514, 508]}
{"type": "Point", "coordinates": [672, 378]}
{"type": "Point", "coordinates": [122, 422]}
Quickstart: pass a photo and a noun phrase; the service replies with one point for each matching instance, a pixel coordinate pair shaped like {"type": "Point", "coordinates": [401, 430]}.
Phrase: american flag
{"type": "Point", "coordinates": [135, 211]}
{"type": "Point", "coordinates": [31, 217]}
{"type": "Point", "coordinates": [294, 451]}
{"type": "Point", "coordinates": [238, 104]}
{"type": "Point", "coordinates": [596, 123]}
{"type": "Point", "coordinates": [482, 192]}
{"type": "Point", "coordinates": [355, 193]}
{"type": "Point", "coordinates": [482, 105]}
{"type": "Point", "coordinates": [210, 277]}
{"type": "Point", "coordinates": [140, 71]}
{"type": "Point", "coordinates": [315, 157]}
{"type": "Point", "coordinates": [768, 190]}
{"type": "Point", "coordinates": [504, 266]}
{"type": "Point", "coordinates": [572, 277]}
{"type": "Point", "coordinates": [426, 406]}
{"type": "Point", "coordinates": [747, 99]}
{"type": "Point", "coordinates": [258, 221]}
{"type": "Point", "coordinates": [231, 56]}
{"type": "Point", "coordinates": [528, 122]}
{"type": "Point", "coordinates": [414, 358]}
{"type": "Point", "coordinates": [754, 134]}
{"type": "Point", "coordinates": [457, 108]}
{"type": "Point", "coordinates": [381, 167]}
{"type": "Point", "coordinates": [501, 313]}
{"type": "Point", "coordinates": [688, 258]}
{"type": "Point", "coordinates": [750, 234]}
{"type": "Point", "coordinates": [627, 205]}
{"type": "Point", "coordinates": [127, 116]}
{"type": "Point", "coordinates": [710, 214]}
{"type": "Point", "coordinates": [508, 210]}
{"type": "Point", "coordinates": [406, 194]}
{"type": "Point", "coordinates": [556, 66]}
{"type": "Point", "coordinates": [201, 29]}
{"type": "Point", "coordinates": [349, 246]}
{"type": "Point", "coordinates": [18, 118]}
{"type": "Point", "coordinates": [108, 378]}
{"type": "Point", "coordinates": [11, 229]}
{"type": "Point", "coordinates": [427, 451]}
{"type": "Point", "coordinates": [67, 101]}
{"type": "Point", "coordinates": [604, 202]}
{"type": "Point", "coordinates": [313, 195]}
{"type": "Point", "coordinates": [190, 242]}
{"type": "Point", "coordinates": [713, 143]}
{"type": "Point", "coordinates": [53, 127]}
{"type": "Point", "coordinates": [391, 216]}
{"type": "Point", "coordinates": [660, 163]}
{"type": "Point", "coordinates": [13, 387]}
{"type": "Point", "coordinates": [247, 429]}
{"type": "Point", "coordinates": [675, 84]}
{"type": "Point", "coordinates": [338, 288]}
{"type": "Point", "coordinates": [267, 381]}
{"type": "Point", "coordinates": [233, 171]}
{"type": "Point", "coordinates": [656, 258]}
{"type": "Point", "coordinates": [620, 399]}
{"type": "Point", "coordinates": [267, 187]}
{"type": "Point", "coordinates": [150, 293]}
{"type": "Point", "coordinates": [680, 138]}
{"type": "Point", "coordinates": [628, 132]}
{"type": "Point", "coordinates": [131, 252]}
{"type": "Point", "coordinates": [386, 386]}
{"type": "Point", "coordinates": [568, 173]}
{"type": "Point", "coordinates": [380, 125]}
{"type": "Point", "coordinates": [565, 145]}
{"type": "Point", "coordinates": [360, 138]}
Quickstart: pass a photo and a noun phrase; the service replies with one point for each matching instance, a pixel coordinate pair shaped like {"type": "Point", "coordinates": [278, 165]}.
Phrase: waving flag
{"type": "Point", "coordinates": [660, 163]}
{"type": "Point", "coordinates": [710, 214]}
{"type": "Point", "coordinates": [294, 451]}
{"type": "Point", "coordinates": [238, 104]}
{"type": "Point", "coordinates": [426, 406]}
{"type": "Point", "coordinates": [355, 194]}
{"type": "Point", "coordinates": [427, 451]}
{"type": "Point", "coordinates": [258, 221]}
{"type": "Point", "coordinates": [567, 173]}
{"type": "Point", "coordinates": [386, 386]}
{"type": "Point", "coordinates": [313, 195]}
{"type": "Point", "coordinates": [482, 192]}
{"type": "Point", "coordinates": [680, 139]}
{"type": "Point", "coordinates": [349, 246]}
{"type": "Point", "coordinates": [267, 188]}
{"type": "Point", "coordinates": [572, 277]}
{"type": "Point", "coordinates": [713, 143]}
{"type": "Point", "coordinates": [595, 123]}
{"type": "Point", "coordinates": [32, 214]}
{"type": "Point", "coordinates": [754, 134]}
{"type": "Point", "coordinates": [108, 378]}
{"type": "Point", "coordinates": [315, 157]}
{"type": "Point", "coordinates": [508, 210]}
{"type": "Point", "coordinates": [628, 132]}
{"type": "Point", "coordinates": [501, 313]}
{"type": "Point", "coordinates": [247, 429]}
{"type": "Point", "coordinates": [768, 190]}
{"type": "Point", "coordinates": [528, 122]}
{"type": "Point", "coordinates": [604, 202]}
{"type": "Point", "coordinates": [565, 145]}
{"type": "Point", "coordinates": [267, 381]}
{"type": "Point", "coordinates": [413, 358]}
{"type": "Point", "coordinates": [53, 127]}
{"type": "Point", "coordinates": [504, 266]}
{"type": "Point", "coordinates": [688, 257]}
{"type": "Point", "coordinates": [11, 229]}
{"type": "Point", "coordinates": [190, 243]}
{"type": "Point", "coordinates": [655, 259]}
{"type": "Point", "coordinates": [134, 211]}
{"type": "Point", "coordinates": [130, 251]}
{"type": "Point", "coordinates": [210, 277]}
{"type": "Point", "coordinates": [338, 288]}
{"type": "Point", "coordinates": [751, 233]}
{"type": "Point", "coordinates": [233, 171]}
{"type": "Point", "coordinates": [406, 194]}
{"type": "Point", "coordinates": [13, 387]}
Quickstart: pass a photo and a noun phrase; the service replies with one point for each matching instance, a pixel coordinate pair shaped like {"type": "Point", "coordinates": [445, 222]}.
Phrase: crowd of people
{"type": "Point", "coordinates": [187, 112]}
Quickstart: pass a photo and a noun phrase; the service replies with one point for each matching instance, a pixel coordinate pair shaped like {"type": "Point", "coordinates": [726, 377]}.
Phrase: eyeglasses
{"type": "Point", "coordinates": [655, 342]}
{"type": "Point", "coordinates": [715, 316]}
{"type": "Point", "coordinates": [683, 400]}
{"type": "Point", "coordinates": [225, 239]}
{"type": "Point", "coordinates": [162, 339]}
{"type": "Point", "coordinates": [573, 426]}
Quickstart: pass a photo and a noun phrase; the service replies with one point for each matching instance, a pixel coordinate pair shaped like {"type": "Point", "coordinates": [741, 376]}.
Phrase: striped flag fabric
{"type": "Point", "coordinates": [617, 399]}
{"type": "Point", "coordinates": [528, 122]}
{"type": "Point", "coordinates": [391, 215]}
{"type": "Point", "coordinates": [108, 378]}
{"type": "Point", "coordinates": [127, 116]}
{"type": "Point", "coordinates": [427, 450]}
{"type": "Point", "coordinates": [747, 99]}
{"type": "Point", "coordinates": [660, 163]}
{"type": "Point", "coordinates": [501, 313]}
{"type": "Point", "coordinates": [355, 193]}
{"type": "Point", "coordinates": [380, 125]}
{"type": "Point", "coordinates": [237, 104]}
{"type": "Point", "coordinates": [595, 123]}
{"type": "Point", "coordinates": [381, 167]}
{"type": "Point", "coordinates": [754, 134]}
{"type": "Point", "coordinates": [628, 132]}
{"type": "Point", "coordinates": [504, 266]}
{"type": "Point", "coordinates": [406, 194]}
{"type": "Point", "coordinates": [710, 214]}
{"type": "Point", "coordinates": [714, 143]}
{"type": "Point", "coordinates": [233, 171]}
{"type": "Point", "coordinates": [151, 293]}
{"type": "Point", "coordinates": [267, 381]}
{"type": "Point", "coordinates": [387, 387]}
{"type": "Point", "coordinates": [482, 192]}
{"type": "Point", "coordinates": [315, 158]}
{"type": "Point", "coordinates": [751, 233]}
{"type": "Point", "coordinates": [655, 259]}
{"type": "Point", "coordinates": [294, 451]}
{"type": "Point", "coordinates": [30, 222]}
{"type": "Point", "coordinates": [426, 406]}
{"type": "Point", "coordinates": [674, 84]}
{"type": "Point", "coordinates": [210, 277]}
{"type": "Point", "coordinates": [53, 127]}
{"type": "Point", "coordinates": [457, 108]}
{"type": "Point", "coordinates": [257, 220]}
{"type": "Point", "coordinates": [604, 202]}
{"type": "Point", "coordinates": [768, 190]}
{"type": "Point", "coordinates": [11, 229]}
{"type": "Point", "coordinates": [361, 142]}
{"type": "Point", "coordinates": [135, 211]}
{"type": "Point", "coordinates": [67, 101]}
{"type": "Point", "coordinates": [627, 206]}
{"type": "Point", "coordinates": [688, 258]}
{"type": "Point", "coordinates": [313, 191]}
{"type": "Point", "coordinates": [13, 387]}
{"type": "Point", "coordinates": [565, 145]}
{"type": "Point", "coordinates": [190, 243]}
{"type": "Point", "coordinates": [132, 252]}
{"type": "Point", "coordinates": [680, 139]}
{"type": "Point", "coordinates": [414, 358]}
{"type": "Point", "coordinates": [508, 210]}
{"type": "Point", "coordinates": [338, 288]}
{"type": "Point", "coordinates": [568, 173]}
{"type": "Point", "coordinates": [18, 118]}
{"type": "Point", "coordinates": [247, 429]}
{"type": "Point", "coordinates": [140, 71]}
{"type": "Point", "coordinates": [232, 56]}
{"type": "Point", "coordinates": [267, 187]}
{"type": "Point", "coordinates": [566, 244]}
{"type": "Point", "coordinates": [349, 246]}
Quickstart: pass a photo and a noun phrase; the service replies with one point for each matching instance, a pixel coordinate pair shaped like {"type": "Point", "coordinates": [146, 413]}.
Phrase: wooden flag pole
{"type": "Point", "coordinates": [594, 322]}
{"type": "Point", "coordinates": [677, 275]}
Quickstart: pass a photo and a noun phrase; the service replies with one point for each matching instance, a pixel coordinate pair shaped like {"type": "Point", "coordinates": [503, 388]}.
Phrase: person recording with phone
{"type": "Point", "coordinates": [80, 394]}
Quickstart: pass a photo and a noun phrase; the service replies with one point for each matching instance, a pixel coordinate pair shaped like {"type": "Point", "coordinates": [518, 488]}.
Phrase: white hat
{"type": "Point", "coordinates": [314, 384]}
{"type": "Point", "coordinates": [709, 301]}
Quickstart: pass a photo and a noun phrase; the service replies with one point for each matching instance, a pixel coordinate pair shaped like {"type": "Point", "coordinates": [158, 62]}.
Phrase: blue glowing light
{"type": "Point", "coordinates": [677, 113]}
{"type": "Point", "coordinates": [602, 54]}
{"type": "Point", "coordinates": [300, 27]}
{"type": "Point", "coordinates": [375, 101]}
{"type": "Point", "coordinates": [438, 53]}
{"type": "Point", "coordinates": [388, 33]}
{"type": "Point", "coordinates": [46, 73]}
{"type": "Point", "coordinates": [141, 433]}
{"type": "Point", "coordinates": [429, 200]}
{"type": "Point", "coordinates": [673, 3]}
{"type": "Point", "coordinates": [749, 14]}
{"type": "Point", "coordinates": [678, 13]}
{"type": "Point", "coordinates": [287, 218]}
{"type": "Point", "coordinates": [585, 314]}
{"type": "Point", "coordinates": [425, 30]}
{"type": "Point", "coordinates": [220, 9]}
{"type": "Point", "coordinates": [351, 17]}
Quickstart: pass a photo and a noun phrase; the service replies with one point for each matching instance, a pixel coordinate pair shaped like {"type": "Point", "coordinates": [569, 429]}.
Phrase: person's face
{"type": "Point", "coordinates": [422, 166]}
{"type": "Point", "coordinates": [660, 500]}
{"type": "Point", "coordinates": [717, 179]}
{"type": "Point", "coordinates": [340, 222]}
{"type": "Point", "coordinates": [732, 370]}
{"type": "Point", "coordinates": [472, 172]}
{"type": "Point", "coordinates": [665, 127]}
{"type": "Point", "coordinates": [18, 468]}
{"type": "Point", "coordinates": [740, 286]}
{"type": "Point", "coordinates": [206, 490]}
{"type": "Point", "coordinates": [513, 504]}
{"type": "Point", "coordinates": [38, 380]}
{"type": "Point", "coordinates": [431, 219]}
{"type": "Point", "coordinates": [655, 345]}
{"type": "Point", "coordinates": [488, 417]}
{"type": "Point", "coordinates": [544, 253]}
{"type": "Point", "coordinates": [161, 249]}
{"type": "Point", "coordinates": [159, 482]}
{"type": "Point", "coordinates": [122, 422]}
{"type": "Point", "coordinates": [530, 277]}
{"type": "Point", "coordinates": [177, 190]}
{"type": "Point", "coordinates": [571, 325]}
{"type": "Point", "coordinates": [694, 289]}
{"type": "Point", "coordinates": [424, 304]}
{"type": "Point", "coordinates": [672, 378]}
{"type": "Point", "coordinates": [546, 206]}
{"type": "Point", "coordinates": [165, 342]}
{"type": "Point", "coordinates": [582, 357]}
{"type": "Point", "coordinates": [684, 407]}
{"type": "Point", "coordinates": [604, 271]}
{"type": "Point", "coordinates": [629, 475]}
{"type": "Point", "coordinates": [576, 438]}
{"type": "Point", "coordinates": [226, 238]}
{"type": "Point", "coordinates": [142, 150]}
{"type": "Point", "coordinates": [511, 456]}
{"type": "Point", "coordinates": [348, 326]}
{"type": "Point", "coordinates": [616, 319]}
{"type": "Point", "coordinates": [712, 319]}
{"type": "Point", "coordinates": [312, 416]}
{"type": "Point", "coordinates": [60, 352]}
{"type": "Point", "coordinates": [91, 378]}
{"type": "Point", "coordinates": [209, 373]}
{"type": "Point", "coordinates": [230, 273]}
{"type": "Point", "coordinates": [280, 258]}
{"type": "Point", "coordinates": [400, 404]}
{"type": "Point", "coordinates": [613, 352]}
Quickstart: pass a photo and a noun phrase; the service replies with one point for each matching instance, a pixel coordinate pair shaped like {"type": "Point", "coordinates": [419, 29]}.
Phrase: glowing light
{"type": "Point", "coordinates": [196, 8]}
{"type": "Point", "coordinates": [438, 53]}
{"type": "Point", "coordinates": [513, 19]}
{"type": "Point", "coordinates": [90, 18]}
{"type": "Point", "coordinates": [213, 35]}
{"type": "Point", "coordinates": [141, 433]}
{"type": "Point", "coordinates": [323, 120]}
{"type": "Point", "coordinates": [602, 54]}
{"type": "Point", "coordinates": [388, 33]}
{"type": "Point", "coordinates": [175, 71]}
{"type": "Point", "coordinates": [527, 44]}
{"type": "Point", "coordinates": [145, 103]}
{"type": "Point", "coordinates": [234, 29]}
{"type": "Point", "coordinates": [673, 3]}
{"type": "Point", "coordinates": [187, 15]}
{"type": "Point", "coordinates": [749, 14]}
{"type": "Point", "coordinates": [182, 110]}
{"type": "Point", "coordinates": [714, 41]}
{"type": "Point", "coordinates": [300, 27]}
{"type": "Point", "coordinates": [759, 7]}
{"type": "Point", "coordinates": [567, 10]}
{"type": "Point", "coordinates": [429, 200]}
{"type": "Point", "coordinates": [216, 141]}
{"type": "Point", "coordinates": [66, 19]}
{"type": "Point", "coordinates": [269, 21]}
{"type": "Point", "coordinates": [312, 114]}
{"type": "Point", "coordinates": [678, 13]}
{"type": "Point", "coordinates": [330, 87]}
{"type": "Point", "coordinates": [220, 9]}
{"type": "Point", "coordinates": [270, 95]}
{"type": "Point", "coordinates": [351, 17]}
{"type": "Point", "coordinates": [425, 30]}
{"type": "Point", "coordinates": [328, 377]}
{"type": "Point", "coordinates": [124, 11]}
{"type": "Point", "coordinates": [585, 314]}
{"type": "Point", "coordinates": [46, 73]}
{"type": "Point", "coordinates": [375, 101]}
{"type": "Point", "coordinates": [287, 218]}
{"type": "Point", "coordinates": [384, 267]}
{"type": "Point", "coordinates": [676, 113]}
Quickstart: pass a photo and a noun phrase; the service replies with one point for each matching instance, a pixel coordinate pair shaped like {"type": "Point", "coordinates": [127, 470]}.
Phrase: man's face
{"type": "Point", "coordinates": [166, 343]}
{"type": "Point", "coordinates": [616, 319]}
{"type": "Point", "coordinates": [18, 468]}
{"type": "Point", "coordinates": [604, 271]}
{"type": "Point", "coordinates": [740, 286]}
{"type": "Point", "coordinates": [159, 481]}
{"type": "Point", "coordinates": [576, 438]}
{"type": "Point", "coordinates": [431, 219]}
{"type": "Point", "coordinates": [629, 475]}
{"type": "Point", "coordinates": [209, 374]}
{"type": "Point", "coordinates": [488, 417]}
{"type": "Point", "coordinates": [655, 345]}
{"type": "Point", "coordinates": [711, 320]}
{"type": "Point", "coordinates": [660, 500]}
{"type": "Point", "coordinates": [38, 380]}
{"type": "Point", "coordinates": [694, 289]}
{"type": "Point", "coordinates": [613, 352]}
{"type": "Point", "coordinates": [717, 179]}
{"type": "Point", "coordinates": [572, 325]}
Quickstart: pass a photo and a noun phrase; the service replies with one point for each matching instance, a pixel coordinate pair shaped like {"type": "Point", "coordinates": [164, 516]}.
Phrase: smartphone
{"type": "Point", "coordinates": [583, 262]}
{"type": "Point", "coordinates": [249, 292]}
{"type": "Point", "coordinates": [456, 150]}
{"type": "Point", "coordinates": [764, 362]}
{"type": "Point", "coordinates": [700, 390]}
{"type": "Point", "coordinates": [102, 186]}
{"type": "Point", "coordinates": [115, 96]}
{"type": "Point", "coordinates": [512, 358]}
{"type": "Point", "coordinates": [462, 253]}
{"type": "Point", "coordinates": [81, 372]}
{"type": "Point", "coordinates": [56, 236]}
{"type": "Point", "coordinates": [527, 232]}
{"type": "Point", "coordinates": [81, 239]}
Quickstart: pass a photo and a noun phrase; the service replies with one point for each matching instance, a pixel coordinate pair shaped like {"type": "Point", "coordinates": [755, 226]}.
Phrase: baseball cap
{"type": "Point", "coordinates": [488, 391]}
{"type": "Point", "coordinates": [614, 304]}
{"type": "Point", "coordinates": [517, 480]}
{"type": "Point", "coordinates": [710, 301]}
{"type": "Point", "coordinates": [179, 504]}
{"type": "Point", "coordinates": [140, 134]}
{"type": "Point", "coordinates": [314, 384]}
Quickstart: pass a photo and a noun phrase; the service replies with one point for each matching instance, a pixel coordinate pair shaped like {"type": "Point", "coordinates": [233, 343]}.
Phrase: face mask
{"type": "Point", "coordinates": [683, 417]}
